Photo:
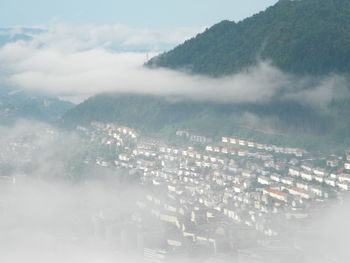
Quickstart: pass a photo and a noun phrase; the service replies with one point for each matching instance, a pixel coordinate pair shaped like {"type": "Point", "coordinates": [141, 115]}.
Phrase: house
{"type": "Point", "coordinates": [217, 149]}
{"type": "Point", "coordinates": [299, 153]}
{"type": "Point", "coordinates": [200, 139]}
{"type": "Point", "coordinates": [293, 171]}
{"type": "Point", "coordinates": [347, 166]}
{"type": "Point", "coordinates": [276, 194]}
{"type": "Point", "coordinates": [287, 180]}
{"type": "Point", "coordinates": [251, 144]}
{"type": "Point", "coordinates": [303, 185]}
{"type": "Point", "coordinates": [306, 167]}
{"type": "Point", "coordinates": [146, 144]}
{"type": "Point", "coordinates": [170, 217]}
{"type": "Point", "coordinates": [238, 188]}
{"type": "Point", "coordinates": [225, 139]}
{"type": "Point", "coordinates": [124, 157]}
{"type": "Point", "coordinates": [260, 146]}
{"type": "Point", "coordinates": [225, 150]}
{"type": "Point", "coordinates": [264, 180]}
{"type": "Point", "coordinates": [191, 154]}
{"type": "Point", "coordinates": [343, 186]}
{"type": "Point", "coordinates": [319, 171]}
{"type": "Point", "coordinates": [231, 212]}
{"type": "Point", "coordinates": [344, 178]}
{"type": "Point", "coordinates": [183, 133]}
{"type": "Point", "coordinates": [233, 141]}
{"type": "Point", "coordinates": [333, 175]}
{"type": "Point", "coordinates": [347, 154]}
{"type": "Point", "coordinates": [162, 149]}
{"type": "Point", "coordinates": [247, 174]}
{"type": "Point", "coordinates": [299, 192]}
{"type": "Point", "coordinates": [330, 181]}
{"type": "Point", "coordinates": [242, 153]}
{"type": "Point", "coordinates": [213, 159]}
{"type": "Point", "coordinates": [319, 178]}
{"type": "Point", "coordinates": [277, 149]}
{"type": "Point", "coordinates": [194, 137]}
{"type": "Point", "coordinates": [242, 142]}
{"type": "Point", "coordinates": [209, 148]}
{"type": "Point", "coordinates": [275, 177]}
{"type": "Point", "coordinates": [306, 176]}
{"type": "Point", "coordinates": [317, 190]}
{"type": "Point", "coordinates": [332, 162]}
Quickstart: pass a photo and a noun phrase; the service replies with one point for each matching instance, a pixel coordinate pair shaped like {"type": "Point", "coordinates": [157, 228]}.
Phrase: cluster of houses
{"type": "Point", "coordinates": [266, 147]}
{"type": "Point", "coordinates": [194, 137]}
{"type": "Point", "coordinates": [228, 193]}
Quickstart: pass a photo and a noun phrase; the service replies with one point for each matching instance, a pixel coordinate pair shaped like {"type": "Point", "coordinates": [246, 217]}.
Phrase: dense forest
{"type": "Point", "coordinates": [302, 37]}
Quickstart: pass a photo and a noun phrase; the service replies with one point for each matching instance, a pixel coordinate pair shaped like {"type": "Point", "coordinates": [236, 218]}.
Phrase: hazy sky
{"type": "Point", "coordinates": [135, 13]}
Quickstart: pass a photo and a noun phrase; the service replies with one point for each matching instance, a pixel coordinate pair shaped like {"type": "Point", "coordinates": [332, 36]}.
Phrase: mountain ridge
{"type": "Point", "coordinates": [291, 34]}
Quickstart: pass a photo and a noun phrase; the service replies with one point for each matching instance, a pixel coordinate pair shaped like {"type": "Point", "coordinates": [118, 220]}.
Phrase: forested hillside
{"type": "Point", "coordinates": [304, 37]}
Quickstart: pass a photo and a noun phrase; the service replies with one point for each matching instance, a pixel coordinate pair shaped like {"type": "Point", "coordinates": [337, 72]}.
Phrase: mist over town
{"type": "Point", "coordinates": [174, 132]}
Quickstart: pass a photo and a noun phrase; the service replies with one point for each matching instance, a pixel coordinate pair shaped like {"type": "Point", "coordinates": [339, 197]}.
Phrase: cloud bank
{"type": "Point", "coordinates": [80, 62]}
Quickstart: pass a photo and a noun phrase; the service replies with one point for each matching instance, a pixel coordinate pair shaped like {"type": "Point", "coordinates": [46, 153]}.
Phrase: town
{"type": "Point", "coordinates": [229, 200]}
{"type": "Point", "coordinates": [199, 199]}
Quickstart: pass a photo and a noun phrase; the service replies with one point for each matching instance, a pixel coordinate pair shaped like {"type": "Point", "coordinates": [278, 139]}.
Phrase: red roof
{"type": "Point", "coordinates": [276, 192]}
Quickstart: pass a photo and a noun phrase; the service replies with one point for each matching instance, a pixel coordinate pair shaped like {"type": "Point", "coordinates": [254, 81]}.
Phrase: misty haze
{"type": "Point", "coordinates": [175, 132]}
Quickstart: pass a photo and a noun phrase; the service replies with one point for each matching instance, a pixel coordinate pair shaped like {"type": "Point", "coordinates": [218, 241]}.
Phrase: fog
{"type": "Point", "coordinates": [52, 221]}
{"type": "Point", "coordinates": [43, 221]}
{"type": "Point", "coordinates": [47, 217]}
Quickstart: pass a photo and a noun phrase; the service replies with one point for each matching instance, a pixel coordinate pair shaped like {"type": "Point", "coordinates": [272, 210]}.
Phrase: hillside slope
{"type": "Point", "coordinates": [17, 104]}
{"type": "Point", "coordinates": [157, 116]}
{"type": "Point", "coordinates": [304, 37]}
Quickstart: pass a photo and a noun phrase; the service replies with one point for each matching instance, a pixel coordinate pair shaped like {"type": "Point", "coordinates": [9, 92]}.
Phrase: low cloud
{"type": "Point", "coordinates": [78, 62]}
{"type": "Point", "coordinates": [322, 92]}
{"type": "Point", "coordinates": [44, 221]}
{"type": "Point", "coordinates": [45, 216]}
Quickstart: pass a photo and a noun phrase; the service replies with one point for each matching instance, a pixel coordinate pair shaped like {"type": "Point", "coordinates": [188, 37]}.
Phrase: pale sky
{"type": "Point", "coordinates": [134, 13]}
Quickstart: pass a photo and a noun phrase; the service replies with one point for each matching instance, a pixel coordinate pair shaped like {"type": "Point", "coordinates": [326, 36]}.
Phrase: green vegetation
{"type": "Point", "coordinates": [16, 104]}
{"type": "Point", "coordinates": [289, 124]}
{"type": "Point", "coordinates": [302, 37]}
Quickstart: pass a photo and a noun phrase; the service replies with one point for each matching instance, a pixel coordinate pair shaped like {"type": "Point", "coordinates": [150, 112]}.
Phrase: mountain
{"type": "Point", "coordinates": [16, 104]}
{"type": "Point", "coordinates": [301, 37]}
{"type": "Point", "coordinates": [307, 38]}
